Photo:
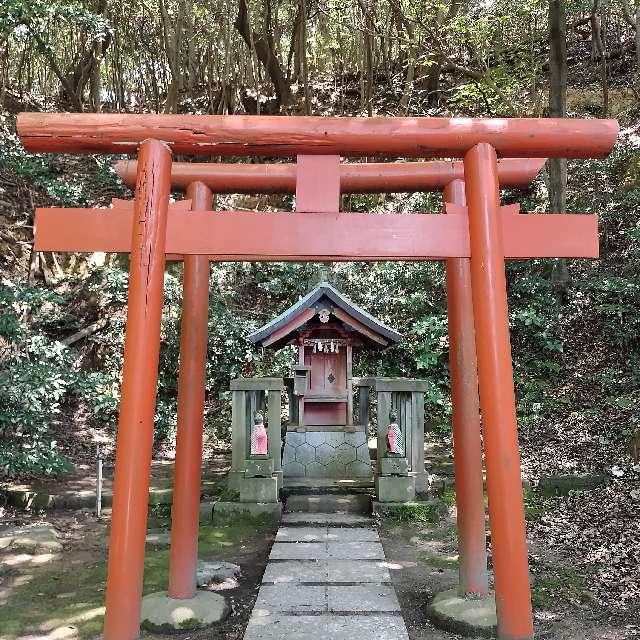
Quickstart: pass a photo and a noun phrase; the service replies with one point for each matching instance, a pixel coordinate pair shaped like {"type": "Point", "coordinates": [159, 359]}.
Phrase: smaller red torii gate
{"type": "Point", "coordinates": [481, 233]}
{"type": "Point", "coordinates": [202, 180]}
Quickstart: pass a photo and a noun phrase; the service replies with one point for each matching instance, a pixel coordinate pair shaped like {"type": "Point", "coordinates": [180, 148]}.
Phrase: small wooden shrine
{"type": "Point", "coordinates": [323, 438]}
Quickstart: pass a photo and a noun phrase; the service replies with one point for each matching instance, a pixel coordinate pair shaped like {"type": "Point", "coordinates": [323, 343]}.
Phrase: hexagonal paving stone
{"type": "Point", "coordinates": [295, 439]}
{"type": "Point", "coordinates": [345, 454]}
{"type": "Point", "coordinates": [293, 470]}
{"type": "Point", "coordinates": [315, 438]}
{"type": "Point", "coordinates": [335, 438]}
{"type": "Point", "coordinates": [355, 439]}
{"type": "Point", "coordinates": [305, 454]}
{"type": "Point", "coordinates": [336, 469]}
{"type": "Point", "coordinates": [359, 469]}
{"type": "Point", "coordinates": [325, 453]}
{"type": "Point", "coordinates": [316, 470]}
{"type": "Point", "coordinates": [362, 452]}
{"type": "Point", "coordinates": [289, 454]}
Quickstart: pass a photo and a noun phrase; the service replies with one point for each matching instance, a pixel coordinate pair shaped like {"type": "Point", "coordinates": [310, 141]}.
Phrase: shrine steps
{"type": "Point", "coordinates": [327, 577]}
{"type": "Point", "coordinates": [329, 503]}
{"type": "Point", "coordinates": [326, 485]}
{"type": "Point", "coordinates": [306, 519]}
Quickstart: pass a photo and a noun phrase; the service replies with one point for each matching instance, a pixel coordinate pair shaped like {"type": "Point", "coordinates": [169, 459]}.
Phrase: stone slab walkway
{"type": "Point", "coordinates": [329, 581]}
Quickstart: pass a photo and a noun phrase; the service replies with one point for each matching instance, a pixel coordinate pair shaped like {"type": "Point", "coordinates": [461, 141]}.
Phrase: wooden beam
{"type": "Point", "coordinates": [286, 136]}
{"type": "Point", "coordinates": [358, 326]}
{"type": "Point", "coordinates": [370, 177]}
{"type": "Point", "coordinates": [244, 236]}
{"type": "Point", "coordinates": [292, 325]}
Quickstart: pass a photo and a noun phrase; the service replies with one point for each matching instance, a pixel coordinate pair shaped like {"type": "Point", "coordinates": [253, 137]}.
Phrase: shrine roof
{"type": "Point", "coordinates": [277, 332]}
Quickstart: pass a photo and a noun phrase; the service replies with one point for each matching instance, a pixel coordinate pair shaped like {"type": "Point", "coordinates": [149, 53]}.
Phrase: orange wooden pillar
{"type": "Point", "coordinates": [185, 511]}
{"type": "Point", "coordinates": [467, 445]}
{"type": "Point", "coordinates": [497, 397]}
{"type": "Point", "coordinates": [138, 393]}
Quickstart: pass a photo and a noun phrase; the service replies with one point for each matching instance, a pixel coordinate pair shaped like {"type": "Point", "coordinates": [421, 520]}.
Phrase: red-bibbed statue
{"type": "Point", "coordinates": [395, 442]}
{"type": "Point", "coordinates": [259, 445]}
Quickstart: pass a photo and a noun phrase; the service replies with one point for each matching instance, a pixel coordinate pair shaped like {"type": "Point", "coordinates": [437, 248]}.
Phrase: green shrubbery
{"type": "Point", "coordinates": [37, 374]}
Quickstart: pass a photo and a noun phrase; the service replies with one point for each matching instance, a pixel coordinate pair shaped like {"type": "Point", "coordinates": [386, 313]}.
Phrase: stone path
{"type": "Point", "coordinates": [328, 581]}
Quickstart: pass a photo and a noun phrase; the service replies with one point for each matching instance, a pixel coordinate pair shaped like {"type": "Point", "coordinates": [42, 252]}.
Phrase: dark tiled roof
{"type": "Point", "coordinates": [325, 290]}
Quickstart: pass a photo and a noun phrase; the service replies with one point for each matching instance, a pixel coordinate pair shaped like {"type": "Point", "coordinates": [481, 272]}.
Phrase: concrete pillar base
{"type": "Point", "coordinates": [162, 614]}
{"type": "Point", "coordinates": [466, 616]}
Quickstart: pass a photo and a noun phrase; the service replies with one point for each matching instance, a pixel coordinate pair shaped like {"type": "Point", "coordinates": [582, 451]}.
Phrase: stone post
{"type": "Point", "coordinates": [398, 477]}
{"type": "Point", "coordinates": [259, 478]}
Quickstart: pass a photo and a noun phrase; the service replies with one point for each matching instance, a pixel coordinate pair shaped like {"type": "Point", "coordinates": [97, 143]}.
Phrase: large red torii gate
{"type": "Point", "coordinates": [480, 232]}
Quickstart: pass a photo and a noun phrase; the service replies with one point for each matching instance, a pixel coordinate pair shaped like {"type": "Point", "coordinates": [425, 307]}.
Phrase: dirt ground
{"type": "Point", "coordinates": [61, 595]}
{"type": "Point", "coordinates": [424, 561]}
{"type": "Point", "coordinates": [584, 565]}
{"type": "Point", "coordinates": [84, 477]}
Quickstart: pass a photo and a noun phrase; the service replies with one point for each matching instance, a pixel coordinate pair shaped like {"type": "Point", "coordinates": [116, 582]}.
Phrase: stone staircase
{"type": "Point", "coordinates": [329, 503]}
{"type": "Point", "coordinates": [327, 578]}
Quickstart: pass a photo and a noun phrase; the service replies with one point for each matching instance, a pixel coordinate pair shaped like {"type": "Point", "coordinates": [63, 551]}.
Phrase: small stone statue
{"type": "Point", "coordinates": [259, 445]}
{"type": "Point", "coordinates": [395, 440]}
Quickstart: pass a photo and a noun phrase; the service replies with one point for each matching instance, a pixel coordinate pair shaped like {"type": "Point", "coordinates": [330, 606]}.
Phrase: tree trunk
{"type": "Point", "coordinates": [303, 56]}
{"type": "Point", "coordinates": [95, 92]}
{"type": "Point", "coordinates": [601, 53]}
{"type": "Point", "coordinates": [558, 109]}
{"type": "Point", "coordinates": [634, 21]}
{"type": "Point", "coordinates": [265, 54]}
{"type": "Point", "coordinates": [173, 46]}
{"type": "Point", "coordinates": [433, 84]}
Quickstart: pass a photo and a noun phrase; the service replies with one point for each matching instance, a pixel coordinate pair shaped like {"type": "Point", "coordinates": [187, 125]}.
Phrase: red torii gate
{"type": "Point", "coordinates": [201, 181]}
{"type": "Point", "coordinates": [485, 235]}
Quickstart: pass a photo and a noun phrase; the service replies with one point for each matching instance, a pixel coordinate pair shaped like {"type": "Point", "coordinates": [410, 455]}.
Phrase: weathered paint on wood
{"type": "Point", "coordinates": [286, 136]}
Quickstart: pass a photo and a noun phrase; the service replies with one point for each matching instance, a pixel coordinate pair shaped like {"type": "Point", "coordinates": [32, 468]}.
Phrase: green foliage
{"type": "Point", "coordinates": [63, 186]}
{"type": "Point", "coordinates": [36, 373]}
{"type": "Point", "coordinates": [448, 496]}
{"type": "Point", "coordinates": [35, 17]}
{"type": "Point", "coordinates": [414, 512]}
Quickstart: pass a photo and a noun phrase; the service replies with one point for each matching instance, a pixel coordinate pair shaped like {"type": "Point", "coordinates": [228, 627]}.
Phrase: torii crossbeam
{"type": "Point", "coordinates": [319, 236]}
{"type": "Point", "coordinates": [487, 241]}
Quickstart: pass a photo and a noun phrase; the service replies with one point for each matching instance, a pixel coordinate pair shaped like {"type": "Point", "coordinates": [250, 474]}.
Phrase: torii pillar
{"type": "Point", "coordinates": [138, 393]}
{"type": "Point", "coordinates": [185, 510]}
{"type": "Point", "coordinates": [497, 396]}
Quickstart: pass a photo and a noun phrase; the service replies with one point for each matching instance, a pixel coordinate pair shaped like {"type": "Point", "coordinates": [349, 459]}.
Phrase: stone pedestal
{"type": "Point", "coordinates": [396, 488]}
{"type": "Point", "coordinates": [259, 490]}
{"type": "Point", "coordinates": [466, 616]}
{"type": "Point", "coordinates": [162, 614]}
{"type": "Point", "coordinates": [255, 477]}
{"type": "Point", "coordinates": [406, 397]}
{"type": "Point", "coordinates": [327, 454]}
